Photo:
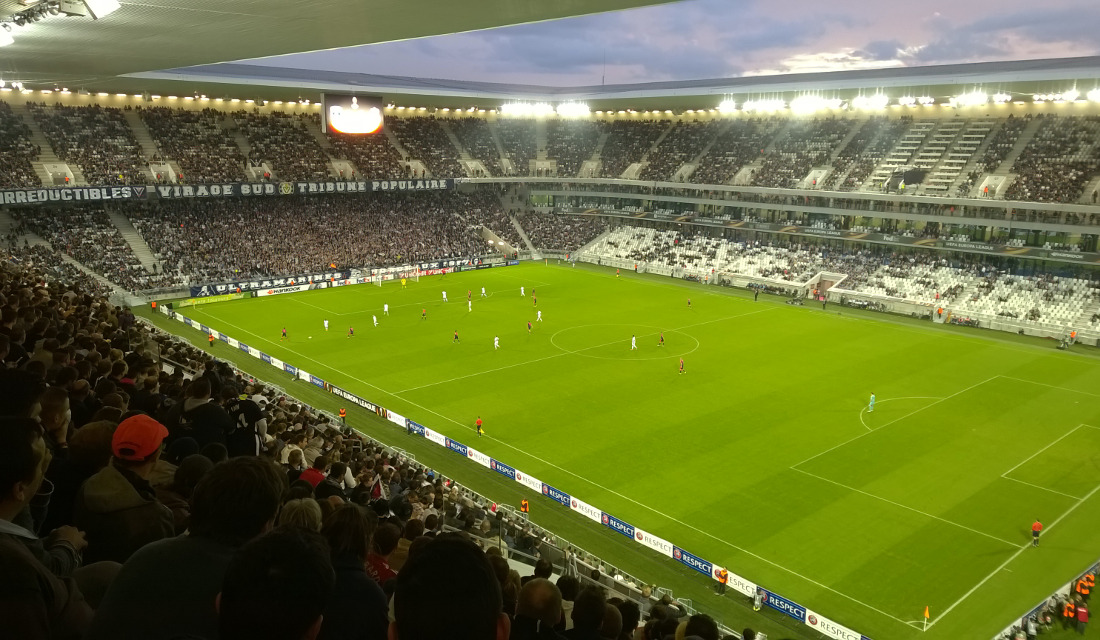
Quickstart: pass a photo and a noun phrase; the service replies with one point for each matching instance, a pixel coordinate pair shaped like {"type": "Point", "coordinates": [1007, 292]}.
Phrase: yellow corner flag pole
{"type": "Point", "coordinates": [926, 617]}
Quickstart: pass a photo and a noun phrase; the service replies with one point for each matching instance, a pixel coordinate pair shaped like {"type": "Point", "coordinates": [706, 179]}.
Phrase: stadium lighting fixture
{"type": "Point", "coordinates": [422, 109]}
{"type": "Point", "coordinates": [971, 99]}
{"type": "Point", "coordinates": [725, 106]}
{"type": "Point", "coordinates": [103, 94]}
{"type": "Point", "coordinates": [807, 104]}
{"type": "Point", "coordinates": [907, 101]}
{"type": "Point", "coordinates": [926, 101]}
{"type": "Point", "coordinates": [573, 110]}
{"type": "Point", "coordinates": [526, 109]}
{"type": "Point", "coordinates": [1001, 98]}
{"type": "Point", "coordinates": [874, 102]}
{"type": "Point", "coordinates": [45, 92]}
{"type": "Point", "coordinates": [1094, 95]}
{"type": "Point", "coordinates": [764, 106]}
{"type": "Point", "coordinates": [1070, 95]}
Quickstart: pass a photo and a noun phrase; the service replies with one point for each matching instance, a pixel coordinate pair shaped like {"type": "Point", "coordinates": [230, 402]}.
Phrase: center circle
{"type": "Point", "coordinates": [611, 341]}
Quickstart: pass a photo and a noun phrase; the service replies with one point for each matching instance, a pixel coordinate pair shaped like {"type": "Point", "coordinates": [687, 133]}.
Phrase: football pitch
{"type": "Point", "coordinates": [762, 456]}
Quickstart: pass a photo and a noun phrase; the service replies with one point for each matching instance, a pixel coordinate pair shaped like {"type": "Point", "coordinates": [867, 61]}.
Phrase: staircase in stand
{"type": "Point", "coordinates": [137, 244]}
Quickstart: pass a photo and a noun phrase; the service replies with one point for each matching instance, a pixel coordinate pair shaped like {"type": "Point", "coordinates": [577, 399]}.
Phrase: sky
{"type": "Point", "coordinates": [698, 39]}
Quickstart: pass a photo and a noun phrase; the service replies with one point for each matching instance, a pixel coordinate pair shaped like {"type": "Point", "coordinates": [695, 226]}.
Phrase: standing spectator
{"type": "Point", "coordinates": [588, 614]}
{"type": "Point", "coordinates": [1082, 617]}
{"type": "Point", "coordinates": [167, 589]}
{"type": "Point", "coordinates": [117, 507]}
{"type": "Point", "coordinates": [385, 541]}
{"type": "Point", "coordinates": [538, 611]}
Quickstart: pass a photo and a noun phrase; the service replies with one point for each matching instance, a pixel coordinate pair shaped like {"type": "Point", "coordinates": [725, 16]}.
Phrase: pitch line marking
{"type": "Point", "coordinates": [1040, 487]}
{"type": "Point", "coordinates": [610, 491]}
{"type": "Point", "coordinates": [908, 508]}
{"type": "Point", "coordinates": [1004, 564]}
{"type": "Point", "coordinates": [367, 311]}
{"type": "Point", "coordinates": [1027, 459]}
{"type": "Point", "coordinates": [1054, 386]}
{"type": "Point", "coordinates": [927, 406]}
{"type": "Point", "coordinates": [864, 410]}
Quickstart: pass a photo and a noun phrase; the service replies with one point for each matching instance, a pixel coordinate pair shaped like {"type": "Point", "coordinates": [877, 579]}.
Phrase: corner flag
{"type": "Point", "coordinates": [925, 617]}
{"type": "Point", "coordinates": [926, 612]}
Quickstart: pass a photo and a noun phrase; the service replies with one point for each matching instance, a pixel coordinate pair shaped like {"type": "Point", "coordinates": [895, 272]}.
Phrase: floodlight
{"type": "Point", "coordinates": [1001, 98]}
{"type": "Point", "coordinates": [764, 106]}
{"type": "Point", "coordinates": [573, 110]}
{"type": "Point", "coordinates": [1094, 95]}
{"type": "Point", "coordinates": [926, 101]}
{"type": "Point", "coordinates": [726, 106]}
{"type": "Point", "coordinates": [907, 101]}
{"type": "Point", "coordinates": [1070, 95]}
{"type": "Point", "coordinates": [971, 99]}
{"type": "Point", "coordinates": [870, 103]}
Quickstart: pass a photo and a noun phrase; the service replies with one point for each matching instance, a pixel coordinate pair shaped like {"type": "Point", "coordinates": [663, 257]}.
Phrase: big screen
{"type": "Point", "coordinates": [346, 113]}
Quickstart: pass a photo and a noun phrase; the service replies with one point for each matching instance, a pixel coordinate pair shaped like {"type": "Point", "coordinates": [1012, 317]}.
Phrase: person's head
{"type": "Point", "coordinates": [703, 626]}
{"type": "Point", "coordinates": [386, 538]}
{"type": "Point", "coordinates": [199, 388]}
{"type": "Point", "coordinates": [190, 473]}
{"type": "Point", "coordinates": [588, 609]}
{"type": "Point", "coordinates": [612, 624]}
{"type": "Point", "coordinates": [631, 615]}
{"type": "Point", "coordinates": [237, 500]}
{"type": "Point", "coordinates": [180, 449]}
{"type": "Point", "coordinates": [540, 599]}
{"type": "Point", "coordinates": [295, 458]}
{"type": "Point", "coordinates": [216, 452]}
{"type": "Point", "coordinates": [569, 586]}
{"type": "Point", "coordinates": [136, 444]}
{"type": "Point", "coordinates": [348, 532]}
{"type": "Point", "coordinates": [544, 568]}
{"type": "Point", "coordinates": [303, 512]}
{"type": "Point", "coordinates": [320, 463]}
{"type": "Point", "coordinates": [53, 409]}
{"type": "Point", "coordinates": [414, 528]}
{"type": "Point", "coordinates": [23, 461]}
{"type": "Point", "coordinates": [276, 587]}
{"type": "Point", "coordinates": [448, 590]}
{"type": "Point", "coordinates": [90, 446]}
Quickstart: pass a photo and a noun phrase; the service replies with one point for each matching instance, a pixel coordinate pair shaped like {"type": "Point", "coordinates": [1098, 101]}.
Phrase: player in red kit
{"type": "Point", "coordinates": [681, 365]}
{"type": "Point", "coordinates": [1036, 529]}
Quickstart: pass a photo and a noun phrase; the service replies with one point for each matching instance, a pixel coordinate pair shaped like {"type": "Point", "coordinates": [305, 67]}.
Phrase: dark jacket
{"type": "Point", "coordinates": [120, 514]}
{"type": "Point", "coordinates": [357, 609]}
{"type": "Point", "coordinates": [524, 628]}
{"type": "Point", "coordinates": [34, 603]}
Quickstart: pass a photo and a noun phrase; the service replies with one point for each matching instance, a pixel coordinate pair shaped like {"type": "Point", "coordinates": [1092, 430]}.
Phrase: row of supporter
{"type": "Point", "coordinates": [1055, 165]}
{"type": "Point", "coordinates": [152, 491]}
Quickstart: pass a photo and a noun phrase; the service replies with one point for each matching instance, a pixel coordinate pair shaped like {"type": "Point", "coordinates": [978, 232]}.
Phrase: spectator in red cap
{"type": "Point", "coordinates": [117, 507]}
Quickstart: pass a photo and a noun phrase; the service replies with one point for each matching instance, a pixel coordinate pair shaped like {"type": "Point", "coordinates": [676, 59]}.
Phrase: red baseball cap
{"type": "Point", "coordinates": [137, 438]}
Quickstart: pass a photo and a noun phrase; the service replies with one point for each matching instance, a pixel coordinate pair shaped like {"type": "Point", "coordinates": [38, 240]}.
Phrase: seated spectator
{"type": "Point", "coordinates": [569, 587]}
{"type": "Point", "coordinates": [117, 506]}
{"type": "Point", "coordinates": [197, 417]}
{"type": "Point", "coordinates": [276, 587]}
{"type": "Point", "coordinates": [301, 512]}
{"type": "Point", "coordinates": [317, 472]}
{"type": "Point", "coordinates": [701, 626]}
{"type": "Point", "coordinates": [168, 589]}
{"type": "Point", "coordinates": [588, 614]}
{"type": "Point", "coordinates": [34, 603]}
{"type": "Point", "coordinates": [385, 541]}
{"type": "Point", "coordinates": [358, 609]}
{"type": "Point", "coordinates": [538, 611]}
{"type": "Point", "coordinates": [543, 569]}
{"type": "Point", "coordinates": [177, 496]}
{"type": "Point", "coordinates": [448, 590]}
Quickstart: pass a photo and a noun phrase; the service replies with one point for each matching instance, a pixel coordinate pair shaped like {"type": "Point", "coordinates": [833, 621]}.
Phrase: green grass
{"type": "Point", "coordinates": [761, 458]}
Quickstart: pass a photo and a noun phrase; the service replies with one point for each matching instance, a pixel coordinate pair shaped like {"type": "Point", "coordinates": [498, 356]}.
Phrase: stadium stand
{"type": "Point", "coordinates": [229, 239]}
{"type": "Point", "coordinates": [196, 140]}
{"type": "Point", "coordinates": [17, 152]}
{"type": "Point", "coordinates": [373, 155]}
{"type": "Point", "coordinates": [571, 143]}
{"type": "Point", "coordinates": [553, 232]}
{"type": "Point", "coordinates": [425, 140]}
{"type": "Point", "coordinates": [627, 142]}
{"type": "Point", "coordinates": [96, 139]}
{"type": "Point", "coordinates": [1058, 161]}
{"type": "Point", "coordinates": [684, 142]}
{"type": "Point", "coordinates": [87, 234]}
{"type": "Point", "coordinates": [739, 145]}
{"type": "Point", "coordinates": [283, 141]}
{"type": "Point", "coordinates": [803, 146]}
{"type": "Point", "coordinates": [475, 136]}
{"type": "Point", "coordinates": [864, 152]}
{"type": "Point", "coordinates": [518, 138]}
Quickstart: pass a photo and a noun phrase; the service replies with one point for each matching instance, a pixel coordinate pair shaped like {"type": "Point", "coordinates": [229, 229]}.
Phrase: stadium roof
{"type": "Point", "coordinates": [1018, 78]}
{"type": "Point", "coordinates": [165, 34]}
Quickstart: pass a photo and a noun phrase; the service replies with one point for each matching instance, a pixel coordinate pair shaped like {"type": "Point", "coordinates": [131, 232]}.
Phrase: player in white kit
{"type": "Point", "coordinates": [633, 343]}
{"type": "Point", "coordinates": [496, 342]}
{"type": "Point", "coordinates": [521, 294]}
{"type": "Point", "coordinates": [444, 296]}
{"type": "Point", "coordinates": [326, 324]}
{"type": "Point", "coordinates": [483, 292]}
{"type": "Point", "coordinates": [375, 318]}
{"type": "Point", "coordinates": [386, 309]}
{"type": "Point", "coordinates": [539, 319]}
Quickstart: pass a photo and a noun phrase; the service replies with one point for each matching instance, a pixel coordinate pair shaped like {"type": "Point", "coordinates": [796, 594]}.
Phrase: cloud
{"type": "Point", "coordinates": [696, 39]}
